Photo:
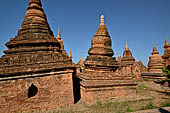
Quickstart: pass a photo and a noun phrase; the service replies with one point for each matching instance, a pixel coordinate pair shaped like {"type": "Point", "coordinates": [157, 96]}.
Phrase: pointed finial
{"type": "Point", "coordinates": [166, 42]}
{"type": "Point", "coordinates": [102, 20]}
{"type": "Point", "coordinates": [119, 54]}
{"type": "Point", "coordinates": [70, 56]}
{"type": "Point", "coordinates": [154, 48]}
{"type": "Point", "coordinates": [59, 35]}
{"type": "Point", "coordinates": [126, 47]}
{"type": "Point", "coordinates": [119, 58]}
{"type": "Point", "coordinates": [81, 59]}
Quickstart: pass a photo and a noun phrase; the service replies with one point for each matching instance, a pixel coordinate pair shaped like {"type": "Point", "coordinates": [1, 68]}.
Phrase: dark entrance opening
{"type": "Point", "coordinates": [76, 88]}
{"type": "Point", "coordinates": [32, 91]}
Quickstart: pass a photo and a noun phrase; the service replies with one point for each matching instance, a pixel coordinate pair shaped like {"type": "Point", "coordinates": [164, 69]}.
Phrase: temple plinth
{"type": "Point", "coordinates": [35, 69]}
{"type": "Point", "coordinates": [99, 77]}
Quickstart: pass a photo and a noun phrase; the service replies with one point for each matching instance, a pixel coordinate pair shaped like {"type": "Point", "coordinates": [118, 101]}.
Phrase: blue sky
{"type": "Point", "coordinates": [139, 22]}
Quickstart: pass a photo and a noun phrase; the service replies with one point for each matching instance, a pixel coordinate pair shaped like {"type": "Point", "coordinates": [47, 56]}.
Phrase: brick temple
{"type": "Point", "coordinates": [156, 62]}
{"type": "Point", "coordinates": [129, 66]}
{"type": "Point", "coordinates": [99, 78]}
{"type": "Point", "coordinates": [35, 72]}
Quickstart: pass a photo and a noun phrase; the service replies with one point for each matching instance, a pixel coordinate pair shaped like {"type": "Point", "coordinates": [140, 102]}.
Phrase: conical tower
{"type": "Point", "coordinates": [34, 43]}
{"type": "Point", "coordinates": [34, 31]}
{"type": "Point", "coordinates": [100, 53]}
{"type": "Point", "coordinates": [101, 42]}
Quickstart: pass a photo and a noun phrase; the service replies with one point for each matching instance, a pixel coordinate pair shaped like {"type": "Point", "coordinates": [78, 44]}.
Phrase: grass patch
{"type": "Point", "coordinates": [129, 109]}
{"type": "Point", "coordinates": [140, 87]}
{"type": "Point", "coordinates": [166, 104]}
{"type": "Point", "coordinates": [150, 105]}
{"type": "Point", "coordinates": [146, 79]}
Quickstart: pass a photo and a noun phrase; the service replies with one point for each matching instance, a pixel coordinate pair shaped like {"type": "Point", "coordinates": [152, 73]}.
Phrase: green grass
{"type": "Point", "coordinates": [166, 104]}
{"type": "Point", "coordinates": [150, 105]}
{"type": "Point", "coordinates": [146, 79]}
{"type": "Point", "coordinates": [140, 87]}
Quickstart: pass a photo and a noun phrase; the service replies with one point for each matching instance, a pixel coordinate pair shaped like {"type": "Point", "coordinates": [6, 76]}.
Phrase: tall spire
{"type": "Point", "coordinates": [102, 20]}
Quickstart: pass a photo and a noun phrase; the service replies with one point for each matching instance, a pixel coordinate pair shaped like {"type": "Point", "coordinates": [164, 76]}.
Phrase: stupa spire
{"type": "Point", "coordinates": [102, 20]}
{"type": "Point", "coordinates": [102, 30]}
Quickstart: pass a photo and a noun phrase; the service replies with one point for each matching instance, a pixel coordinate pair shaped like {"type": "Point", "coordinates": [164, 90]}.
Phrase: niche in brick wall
{"type": "Point", "coordinates": [32, 91]}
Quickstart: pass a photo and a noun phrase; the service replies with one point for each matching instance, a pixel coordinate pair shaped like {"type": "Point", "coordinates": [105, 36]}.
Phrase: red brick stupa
{"type": "Point", "coordinates": [155, 61]}
{"type": "Point", "coordinates": [99, 79]}
{"type": "Point", "coordinates": [34, 73]}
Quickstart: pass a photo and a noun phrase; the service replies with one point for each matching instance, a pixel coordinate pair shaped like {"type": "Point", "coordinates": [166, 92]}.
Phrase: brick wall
{"type": "Point", "coordinates": [50, 92]}
{"type": "Point", "coordinates": [91, 94]}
